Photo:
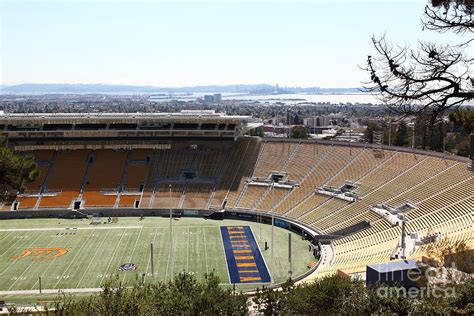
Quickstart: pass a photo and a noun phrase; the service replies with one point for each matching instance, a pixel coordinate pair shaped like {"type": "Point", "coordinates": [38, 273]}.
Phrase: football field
{"type": "Point", "coordinates": [70, 254]}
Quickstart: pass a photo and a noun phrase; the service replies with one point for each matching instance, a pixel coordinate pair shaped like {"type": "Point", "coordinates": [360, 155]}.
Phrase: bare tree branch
{"type": "Point", "coordinates": [432, 77]}
{"type": "Point", "coordinates": [450, 15]}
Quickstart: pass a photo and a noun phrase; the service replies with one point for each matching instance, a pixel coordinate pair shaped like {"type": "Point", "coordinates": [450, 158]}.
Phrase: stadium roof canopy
{"type": "Point", "coordinates": [187, 115]}
{"type": "Point", "coordinates": [189, 124]}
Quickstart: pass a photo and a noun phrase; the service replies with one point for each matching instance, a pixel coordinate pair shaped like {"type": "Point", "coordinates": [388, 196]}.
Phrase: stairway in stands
{"type": "Point", "coordinates": [150, 183]}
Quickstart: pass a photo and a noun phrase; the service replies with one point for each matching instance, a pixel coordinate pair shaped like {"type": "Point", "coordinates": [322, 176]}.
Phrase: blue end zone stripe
{"type": "Point", "coordinates": [247, 266]}
{"type": "Point", "coordinates": [234, 274]}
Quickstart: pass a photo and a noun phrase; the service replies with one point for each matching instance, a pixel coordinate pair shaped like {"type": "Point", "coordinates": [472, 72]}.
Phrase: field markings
{"type": "Point", "coordinates": [52, 291]}
{"type": "Point", "coordinates": [74, 259]}
{"type": "Point", "coordinates": [169, 257]}
{"type": "Point", "coordinates": [13, 242]}
{"type": "Point", "coordinates": [51, 261]}
{"type": "Point", "coordinates": [92, 228]}
{"type": "Point", "coordinates": [187, 250]}
{"type": "Point", "coordinates": [29, 266]}
{"type": "Point", "coordinates": [149, 259]}
{"type": "Point", "coordinates": [18, 240]}
{"type": "Point", "coordinates": [4, 237]}
{"type": "Point", "coordinates": [133, 251]}
{"type": "Point", "coordinates": [112, 257]}
{"type": "Point", "coordinates": [93, 257]}
{"type": "Point", "coordinates": [263, 257]}
{"type": "Point", "coordinates": [12, 261]}
{"type": "Point", "coordinates": [225, 257]}
{"type": "Point", "coordinates": [162, 257]}
{"type": "Point", "coordinates": [205, 249]}
{"type": "Point", "coordinates": [119, 256]}
{"type": "Point", "coordinates": [65, 228]}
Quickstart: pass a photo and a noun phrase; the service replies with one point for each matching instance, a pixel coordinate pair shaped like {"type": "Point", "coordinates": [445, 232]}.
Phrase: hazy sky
{"type": "Point", "coordinates": [181, 43]}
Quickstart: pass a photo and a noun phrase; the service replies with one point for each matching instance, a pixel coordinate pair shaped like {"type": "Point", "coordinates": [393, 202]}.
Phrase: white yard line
{"type": "Point", "coordinates": [73, 259]}
{"type": "Point", "coordinates": [12, 261]}
{"type": "Point", "coordinates": [4, 237]}
{"type": "Point", "coordinates": [133, 251]}
{"type": "Point", "coordinates": [261, 254]}
{"type": "Point", "coordinates": [50, 262]}
{"type": "Point", "coordinates": [187, 251]}
{"type": "Point", "coordinates": [205, 249]}
{"type": "Point", "coordinates": [111, 258]}
{"type": "Point", "coordinates": [149, 259]}
{"type": "Point", "coordinates": [135, 246]}
{"type": "Point", "coordinates": [52, 291]}
{"type": "Point", "coordinates": [13, 244]}
{"type": "Point", "coordinates": [93, 257]}
{"type": "Point", "coordinates": [169, 257]}
{"type": "Point", "coordinates": [90, 228]}
{"type": "Point", "coordinates": [29, 266]}
{"type": "Point", "coordinates": [225, 256]}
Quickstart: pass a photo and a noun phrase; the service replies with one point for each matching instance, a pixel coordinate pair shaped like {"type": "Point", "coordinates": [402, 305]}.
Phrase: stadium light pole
{"type": "Point", "coordinates": [171, 234]}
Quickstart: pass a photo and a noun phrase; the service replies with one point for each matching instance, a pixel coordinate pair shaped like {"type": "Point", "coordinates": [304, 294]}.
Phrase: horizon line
{"type": "Point", "coordinates": [179, 86]}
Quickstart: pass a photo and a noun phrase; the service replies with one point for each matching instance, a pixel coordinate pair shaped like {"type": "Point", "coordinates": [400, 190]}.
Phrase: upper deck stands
{"type": "Point", "coordinates": [22, 128]}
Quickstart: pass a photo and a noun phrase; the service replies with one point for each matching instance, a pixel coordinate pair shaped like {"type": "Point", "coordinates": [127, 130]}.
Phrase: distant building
{"type": "Point", "coordinates": [309, 121]}
{"type": "Point", "coordinates": [317, 121]}
{"type": "Point", "coordinates": [217, 98]}
{"type": "Point", "coordinates": [208, 98]}
{"type": "Point", "coordinates": [350, 136]}
{"type": "Point", "coordinates": [276, 131]}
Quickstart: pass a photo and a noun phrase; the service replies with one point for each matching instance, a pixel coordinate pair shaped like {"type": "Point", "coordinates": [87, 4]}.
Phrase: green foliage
{"type": "Point", "coordinates": [401, 135]}
{"type": "Point", "coordinates": [463, 120]}
{"type": "Point", "coordinates": [463, 126]}
{"type": "Point", "coordinates": [15, 172]}
{"type": "Point", "coordinates": [184, 295]}
{"type": "Point", "coordinates": [335, 295]}
{"type": "Point", "coordinates": [299, 131]}
{"type": "Point", "coordinates": [463, 302]}
{"type": "Point", "coordinates": [369, 132]}
{"type": "Point", "coordinates": [331, 295]}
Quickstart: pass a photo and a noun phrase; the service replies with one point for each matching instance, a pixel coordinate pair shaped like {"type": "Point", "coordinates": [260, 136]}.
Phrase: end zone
{"type": "Point", "coordinates": [244, 260]}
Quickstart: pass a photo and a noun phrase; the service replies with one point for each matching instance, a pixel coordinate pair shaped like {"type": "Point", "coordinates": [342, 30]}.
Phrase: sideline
{"type": "Point", "coordinates": [65, 228]}
{"type": "Point", "coordinates": [52, 291]}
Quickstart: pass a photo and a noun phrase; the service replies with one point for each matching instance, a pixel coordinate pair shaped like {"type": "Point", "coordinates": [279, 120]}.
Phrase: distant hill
{"type": "Point", "coordinates": [33, 88]}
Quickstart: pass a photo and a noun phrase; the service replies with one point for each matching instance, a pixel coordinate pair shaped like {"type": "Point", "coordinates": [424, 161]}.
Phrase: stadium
{"type": "Point", "coordinates": [150, 195]}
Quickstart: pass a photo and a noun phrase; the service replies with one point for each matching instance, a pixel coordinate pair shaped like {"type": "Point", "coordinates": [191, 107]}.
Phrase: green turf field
{"type": "Point", "coordinates": [95, 252]}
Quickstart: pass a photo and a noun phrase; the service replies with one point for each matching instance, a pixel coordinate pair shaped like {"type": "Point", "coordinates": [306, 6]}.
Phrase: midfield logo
{"type": "Point", "coordinates": [42, 254]}
{"type": "Point", "coordinates": [127, 267]}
